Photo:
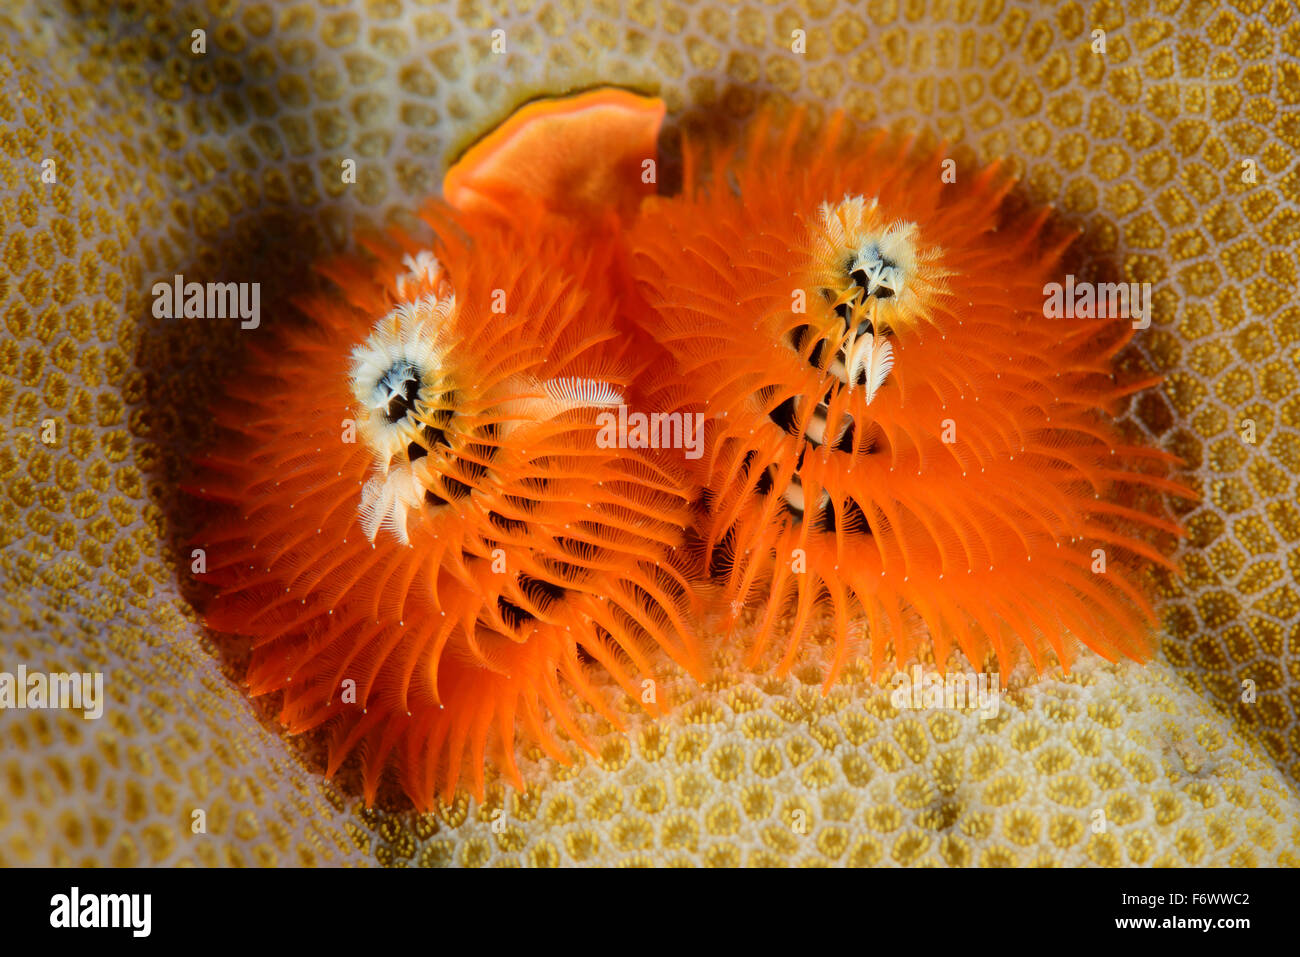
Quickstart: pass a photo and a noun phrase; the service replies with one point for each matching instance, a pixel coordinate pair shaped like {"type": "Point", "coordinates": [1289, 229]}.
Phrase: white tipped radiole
{"type": "Point", "coordinates": [572, 392]}
{"type": "Point", "coordinates": [395, 374]}
{"type": "Point", "coordinates": [870, 360]}
{"type": "Point", "coordinates": [387, 501]}
{"type": "Point", "coordinates": [423, 271]}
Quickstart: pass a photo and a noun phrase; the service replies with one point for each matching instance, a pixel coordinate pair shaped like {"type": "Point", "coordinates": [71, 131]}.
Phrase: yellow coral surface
{"type": "Point", "coordinates": [1174, 151]}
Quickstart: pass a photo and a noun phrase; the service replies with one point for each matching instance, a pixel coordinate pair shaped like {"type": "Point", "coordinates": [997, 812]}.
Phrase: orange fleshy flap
{"type": "Point", "coordinates": [580, 156]}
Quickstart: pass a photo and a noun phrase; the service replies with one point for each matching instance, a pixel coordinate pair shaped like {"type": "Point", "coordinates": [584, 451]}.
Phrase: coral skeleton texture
{"type": "Point", "coordinates": [227, 167]}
